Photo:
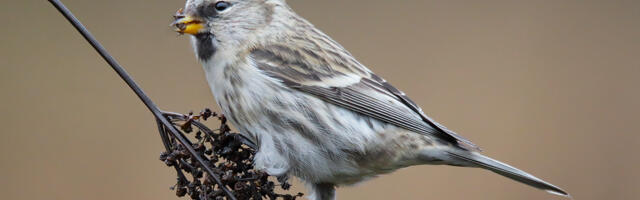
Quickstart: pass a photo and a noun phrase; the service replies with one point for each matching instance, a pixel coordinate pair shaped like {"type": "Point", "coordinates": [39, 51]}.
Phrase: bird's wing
{"type": "Point", "coordinates": [336, 77]}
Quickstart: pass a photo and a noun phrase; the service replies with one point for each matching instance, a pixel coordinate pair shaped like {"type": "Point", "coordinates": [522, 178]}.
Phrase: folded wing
{"type": "Point", "coordinates": [333, 75]}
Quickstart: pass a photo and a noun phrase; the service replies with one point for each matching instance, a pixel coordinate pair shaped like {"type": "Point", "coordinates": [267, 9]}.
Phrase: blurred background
{"type": "Point", "coordinates": [548, 86]}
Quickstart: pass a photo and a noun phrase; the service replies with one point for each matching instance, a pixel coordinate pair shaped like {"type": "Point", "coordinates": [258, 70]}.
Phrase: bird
{"type": "Point", "coordinates": [312, 109]}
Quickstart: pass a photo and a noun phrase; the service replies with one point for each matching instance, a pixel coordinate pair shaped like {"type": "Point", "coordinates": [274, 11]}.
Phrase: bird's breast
{"type": "Point", "coordinates": [297, 132]}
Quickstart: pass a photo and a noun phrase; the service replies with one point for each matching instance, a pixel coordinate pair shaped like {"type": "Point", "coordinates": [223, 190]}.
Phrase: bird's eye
{"type": "Point", "coordinates": [222, 5]}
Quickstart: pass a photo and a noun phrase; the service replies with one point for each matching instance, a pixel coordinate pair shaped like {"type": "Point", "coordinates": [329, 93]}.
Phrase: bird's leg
{"type": "Point", "coordinates": [322, 191]}
{"type": "Point", "coordinates": [283, 178]}
{"type": "Point", "coordinates": [284, 181]}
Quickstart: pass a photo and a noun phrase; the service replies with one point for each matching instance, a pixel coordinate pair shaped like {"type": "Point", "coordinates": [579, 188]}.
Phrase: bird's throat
{"type": "Point", "coordinates": [205, 49]}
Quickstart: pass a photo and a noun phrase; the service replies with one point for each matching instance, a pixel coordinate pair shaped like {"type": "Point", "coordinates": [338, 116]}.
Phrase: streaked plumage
{"type": "Point", "coordinates": [313, 109]}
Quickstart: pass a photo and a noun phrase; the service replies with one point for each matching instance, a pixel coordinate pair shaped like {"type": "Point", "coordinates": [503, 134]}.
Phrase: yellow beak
{"type": "Point", "coordinates": [188, 25]}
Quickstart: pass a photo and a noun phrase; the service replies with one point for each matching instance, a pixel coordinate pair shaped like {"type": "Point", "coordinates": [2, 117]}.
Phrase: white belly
{"type": "Point", "coordinates": [301, 134]}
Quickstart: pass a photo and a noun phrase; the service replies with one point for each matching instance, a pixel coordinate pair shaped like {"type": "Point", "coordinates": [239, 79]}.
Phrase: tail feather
{"type": "Point", "coordinates": [478, 160]}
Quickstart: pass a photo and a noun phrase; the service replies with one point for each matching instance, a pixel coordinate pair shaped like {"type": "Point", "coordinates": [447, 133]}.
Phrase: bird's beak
{"type": "Point", "coordinates": [187, 24]}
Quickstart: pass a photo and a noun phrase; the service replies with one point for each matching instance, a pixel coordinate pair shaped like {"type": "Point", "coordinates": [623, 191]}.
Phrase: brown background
{"type": "Point", "coordinates": [548, 86]}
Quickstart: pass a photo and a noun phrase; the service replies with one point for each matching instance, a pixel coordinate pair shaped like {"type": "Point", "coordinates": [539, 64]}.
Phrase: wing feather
{"type": "Point", "coordinates": [350, 85]}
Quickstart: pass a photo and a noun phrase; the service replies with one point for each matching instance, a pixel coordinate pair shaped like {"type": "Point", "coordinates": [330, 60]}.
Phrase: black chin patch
{"type": "Point", "coordinates": [204, 46]}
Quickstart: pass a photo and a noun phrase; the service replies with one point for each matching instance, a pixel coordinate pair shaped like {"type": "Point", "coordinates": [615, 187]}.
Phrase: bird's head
{"type": "Point", "coordinates": [228, 22]}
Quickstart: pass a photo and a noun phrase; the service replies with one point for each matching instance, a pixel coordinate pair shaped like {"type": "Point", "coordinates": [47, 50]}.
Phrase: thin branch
{"type": "Point", "coordinates": [134, 86]}
{"type": "Point", "coordinates": [167, 143]}
{"type": "Point", "coordinates": [205, 129]}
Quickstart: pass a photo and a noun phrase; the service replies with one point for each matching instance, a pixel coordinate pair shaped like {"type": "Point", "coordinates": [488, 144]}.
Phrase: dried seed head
{"type": "Point", "coordinates": [226, 155]}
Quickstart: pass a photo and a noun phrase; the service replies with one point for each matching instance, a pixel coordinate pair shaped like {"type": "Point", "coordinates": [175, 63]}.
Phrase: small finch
{"type": "Point", "coordinates": [314, 111]}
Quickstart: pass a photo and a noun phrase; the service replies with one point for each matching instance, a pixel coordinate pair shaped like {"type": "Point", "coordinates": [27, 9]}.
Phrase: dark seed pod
{"type": "Point", "coordinates": [239, 186]}
{"type": "Point", "coordinates": [181, 191]}
{"type": "Point", "coordinates": [228, 154]}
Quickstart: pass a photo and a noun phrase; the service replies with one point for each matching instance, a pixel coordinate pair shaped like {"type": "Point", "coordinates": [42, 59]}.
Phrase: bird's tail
{"type": "Point", "coordinates": [479, 160]}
